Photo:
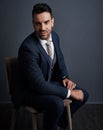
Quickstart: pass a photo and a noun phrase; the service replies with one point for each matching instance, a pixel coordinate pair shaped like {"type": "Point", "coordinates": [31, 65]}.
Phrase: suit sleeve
{"type": "Point", "coordinates": [63, 69]}
{"type": "Point", "coordinates": [62, 66]}
{"type": "Point", "coordinates": [32, 73]}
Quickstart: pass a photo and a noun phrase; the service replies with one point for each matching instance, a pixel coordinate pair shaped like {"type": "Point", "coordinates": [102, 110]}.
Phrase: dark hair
{"type": "Point", "coordinates": [40, 8]}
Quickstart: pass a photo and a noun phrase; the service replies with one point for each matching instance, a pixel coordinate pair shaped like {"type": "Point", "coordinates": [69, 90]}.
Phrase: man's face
{"type": "Point", "coordinates": [43, 24]}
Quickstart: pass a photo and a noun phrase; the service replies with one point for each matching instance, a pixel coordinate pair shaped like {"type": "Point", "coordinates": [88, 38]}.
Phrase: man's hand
{"type": "Point", "coordinates": [77, 94]}
{"type": "Point", "coordinates": [69, 84]}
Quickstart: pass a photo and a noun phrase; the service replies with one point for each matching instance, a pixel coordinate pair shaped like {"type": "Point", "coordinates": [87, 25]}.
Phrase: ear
{"type": "Point", "coordinates": [33, 23]}
{"type": "Point", "coordinates": [52, 22]}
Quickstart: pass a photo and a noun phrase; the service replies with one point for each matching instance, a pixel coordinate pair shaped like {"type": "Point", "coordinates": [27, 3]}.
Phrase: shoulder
{"type": "Point", "coordinates": [55, 38]}
{"type": "Point", "coordinates": [55, 35]}
{"type": "Point", "coordinates": [29, 45]}
{"type": "Point", "coordinates": [30, 41]}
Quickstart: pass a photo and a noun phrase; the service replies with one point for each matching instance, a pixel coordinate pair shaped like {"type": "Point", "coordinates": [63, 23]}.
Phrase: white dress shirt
{"type": "Point", "coordinates": [44, 42]}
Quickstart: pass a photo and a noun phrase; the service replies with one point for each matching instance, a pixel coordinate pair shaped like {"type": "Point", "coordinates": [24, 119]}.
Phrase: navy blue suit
{"type": "Point", "coordinates": [32, 86]}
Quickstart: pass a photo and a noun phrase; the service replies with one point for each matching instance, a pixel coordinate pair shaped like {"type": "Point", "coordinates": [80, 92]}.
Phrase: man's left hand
{"type": "Point", "coordinates": [69, 84]}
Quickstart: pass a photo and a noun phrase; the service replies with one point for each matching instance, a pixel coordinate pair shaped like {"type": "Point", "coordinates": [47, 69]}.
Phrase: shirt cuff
{"type": "Point", "coordinates": [68, 94]}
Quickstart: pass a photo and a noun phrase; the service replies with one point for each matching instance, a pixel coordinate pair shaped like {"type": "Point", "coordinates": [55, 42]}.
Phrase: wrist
{"type": "Point", "coordinates": [65, 77]}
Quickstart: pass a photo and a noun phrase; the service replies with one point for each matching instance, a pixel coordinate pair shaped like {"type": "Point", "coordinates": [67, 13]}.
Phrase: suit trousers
{"type": "Point", "coordinates": [53, 108]}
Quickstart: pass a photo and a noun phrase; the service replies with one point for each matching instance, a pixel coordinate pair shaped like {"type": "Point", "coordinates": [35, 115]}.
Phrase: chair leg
{"type": "Point", "coordinates": [59, 128]}
{"type": "Point", "coordinates": [69, 117]}
{"type": "Point", "coordinates": [34, 121]}
{"type": "Point", "coordinates": [13, 120]}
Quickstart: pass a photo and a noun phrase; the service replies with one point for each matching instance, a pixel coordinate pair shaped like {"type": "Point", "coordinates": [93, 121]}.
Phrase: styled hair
{"type": "Point", "coordinates": [40, 8]}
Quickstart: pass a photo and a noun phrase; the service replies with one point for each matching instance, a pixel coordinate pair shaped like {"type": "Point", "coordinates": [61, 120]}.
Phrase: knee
{"type": "Point", "coordinates": [85, 96]}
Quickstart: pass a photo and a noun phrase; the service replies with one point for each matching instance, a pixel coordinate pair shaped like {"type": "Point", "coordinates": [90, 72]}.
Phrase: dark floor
{"type": "Point", "coordinates": [89, 117]}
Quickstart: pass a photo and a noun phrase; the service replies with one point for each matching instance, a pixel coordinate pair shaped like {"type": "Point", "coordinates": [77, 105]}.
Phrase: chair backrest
{"type": "Point", "coordinates": [11, 70]}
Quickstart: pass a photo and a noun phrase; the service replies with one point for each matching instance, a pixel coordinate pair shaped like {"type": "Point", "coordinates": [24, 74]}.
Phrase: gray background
{"type": "Point", "coordinates": [79, 24]}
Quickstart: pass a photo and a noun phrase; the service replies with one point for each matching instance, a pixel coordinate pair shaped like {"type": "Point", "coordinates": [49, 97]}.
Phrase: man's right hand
{"type": "Point", "coordinates": [77, 94]}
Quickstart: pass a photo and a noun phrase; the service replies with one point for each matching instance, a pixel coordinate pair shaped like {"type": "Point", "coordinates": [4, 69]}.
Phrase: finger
{"type": "Point", "coordinates": [64, 83]}
{"type": "Point", "coordinates": [75, 85]}
{"type": "Point", "coordinates": [72, 86]}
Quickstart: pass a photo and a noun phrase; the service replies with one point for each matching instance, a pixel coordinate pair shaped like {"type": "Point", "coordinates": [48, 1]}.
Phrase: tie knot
{"type": "Point", "coordinates": [48, 43]}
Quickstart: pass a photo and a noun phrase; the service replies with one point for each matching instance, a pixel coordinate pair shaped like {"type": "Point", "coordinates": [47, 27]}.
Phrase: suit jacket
{"type": "Point", "coordinates": [34, 69]}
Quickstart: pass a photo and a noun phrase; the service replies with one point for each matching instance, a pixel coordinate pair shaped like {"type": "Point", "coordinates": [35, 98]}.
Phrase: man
{"type": "Point", "coordinates": [43, 81]}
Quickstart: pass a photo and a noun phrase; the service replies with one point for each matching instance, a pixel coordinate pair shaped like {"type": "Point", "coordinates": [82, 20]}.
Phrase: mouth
{"type": "Point", "coordinates": [42, 32]}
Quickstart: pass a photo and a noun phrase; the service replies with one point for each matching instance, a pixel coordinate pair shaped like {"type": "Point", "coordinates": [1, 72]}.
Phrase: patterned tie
{"type": "Point", "coordinates": [49, 49]}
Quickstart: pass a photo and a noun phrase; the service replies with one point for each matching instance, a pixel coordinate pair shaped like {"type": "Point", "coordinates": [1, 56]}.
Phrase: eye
{"type": "Point", "coordinates": [47, 22]}
{"type": "Point", "coordinates": [37, 23]}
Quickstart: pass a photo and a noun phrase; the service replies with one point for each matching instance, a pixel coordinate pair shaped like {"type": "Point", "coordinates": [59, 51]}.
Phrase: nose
{"type": "Point", "coordinates": [42, 26]}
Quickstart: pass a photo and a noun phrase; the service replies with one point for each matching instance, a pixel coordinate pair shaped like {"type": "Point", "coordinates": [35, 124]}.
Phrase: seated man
{"type": "Point", "coordinates": [43, 81]}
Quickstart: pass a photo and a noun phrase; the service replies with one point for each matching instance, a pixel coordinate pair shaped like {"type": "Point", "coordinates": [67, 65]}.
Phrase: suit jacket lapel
{"type": "Point", "coordinates": [43, 52]}
{"type": "Point", "coordinates": [55, 46]}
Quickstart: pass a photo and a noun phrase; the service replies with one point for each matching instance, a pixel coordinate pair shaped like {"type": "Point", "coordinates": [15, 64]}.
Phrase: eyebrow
{"type": "Point", "coordinates": [43, 22]}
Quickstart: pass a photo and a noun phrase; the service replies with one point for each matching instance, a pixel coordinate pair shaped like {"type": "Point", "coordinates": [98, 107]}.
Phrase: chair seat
{"type": "Point", "coordinates": [67, 102]}
{"type": "Point", "coordinates": [32, 110]}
